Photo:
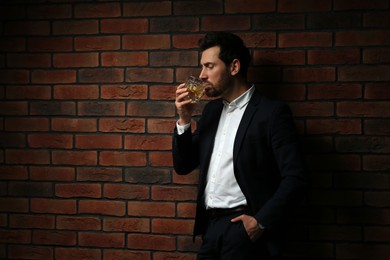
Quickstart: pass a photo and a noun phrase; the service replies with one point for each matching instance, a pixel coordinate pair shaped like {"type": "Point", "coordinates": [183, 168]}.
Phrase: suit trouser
{"type": "Point", "coordinates": [225, 240]}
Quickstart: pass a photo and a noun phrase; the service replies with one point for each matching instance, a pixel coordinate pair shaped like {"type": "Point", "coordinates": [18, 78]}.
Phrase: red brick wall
{"type": "Point", "coordinates": [87, 113]}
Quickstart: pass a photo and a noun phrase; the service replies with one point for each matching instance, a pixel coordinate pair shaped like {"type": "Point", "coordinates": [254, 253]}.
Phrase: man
{"type": "Point", "coordinates": [247, 150]}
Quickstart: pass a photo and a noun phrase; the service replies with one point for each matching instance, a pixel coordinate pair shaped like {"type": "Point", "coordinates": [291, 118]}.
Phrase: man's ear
{"type": "Point", "coordinates": [235, 67]}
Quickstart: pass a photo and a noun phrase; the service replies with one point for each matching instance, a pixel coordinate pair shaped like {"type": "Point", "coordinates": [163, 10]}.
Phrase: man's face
{"type": "Point", "coordinates": [215, 73]}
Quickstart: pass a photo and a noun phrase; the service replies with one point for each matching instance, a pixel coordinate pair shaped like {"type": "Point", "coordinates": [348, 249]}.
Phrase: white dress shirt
{"type": "Point", "coordinates": [222, 189]}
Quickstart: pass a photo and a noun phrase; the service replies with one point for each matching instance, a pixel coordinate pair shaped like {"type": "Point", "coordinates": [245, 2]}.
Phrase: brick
{"type": "Point", "coordinates": [365, 38]}
{"type": "Point", "coordinates": [151, 209]}
{"type": "Point", "coordinates": [98, 141]}
{"type": "Point", "coordinates": [376, 163]}
{"type": "Point", "coordinates": [312, 109]}
{"type": "Point", "coordinates": [14, 108]}
{"type": "Point", "coordinates": [334, 126]}
{"type": "Point", "coordinates": [28, 60]}
{"type": "Point", "coordinates": [26, 252]}
{"type": "Point", "coordinates": [186, 210]}
{"type": "Point", "coordinates": [151, 242]}
{"type": "Point", "coordinates": [155, 109]}
{"type": "Point", "coordinates": [309, 74]}
{"type": "Point", "coordinates": [74, 124]}
{"type": "Point", "coordinates": [124, 59]}
{"type": "Point", "coordinates": [331, 21]}
{"type": "Point", "coordinates": [72, 27]}
{"type": "Point", "coordinates": [287, 6]}
{"type": "Point", "coordinates": [11, 12]}
{"type": "Point", "coordinates": [94, 43]}
{"type": "Point", "coordinates": [192, 178]}
{"type": "Point", "coordinates": [101, 108]}
{"type": "Point", "coordinates": [99, 174]}
{"type": "Point", "coordinates": [147, 175]}
{"type": "Point", "coordinates": [14, 76]}
{"type": "Point", "coordinates": [15, 236]}
{"type": "Point", "coordinates": [124, 91]}
{"type": "Point", "coordinates": [27, 28]}
{"type": "Point", "coordinates": [187, 41]}
{"type": "Point", "coordinates": [376, 126]}
{"type": "Point", "coordinates": [360, 4]}
{"type": "Point", "coordinates": [78, 190]}
{"type": "Point", "coordinates": [30, 189]}
{"type": "Point", "coordinates": [52, 44]}
{"type": "Point", "coordinates": [97, 10]}
{"type": "Point", "coordinates": [65, 238]}
{"type": "Point", "coordinates": [172, 226]}
{"type": "Point", "coordinates": [363, 109]}
{"type": "Point", "coordinates": [348, 56]}
{"type": "Point", "coordinates": [334, 91]}
{"type": "Point", "coordinates": [112, 254]}
{"type": "Point", "coordinates": [377, 234]}
{"type": "Point", "coordinates": [50, 173]}
{"type": "Point", "coordinates": [376, 19]}
{"type": "Point", "coordinates": [361, 181]}
{"type": "Point", "coordinates": [278, 22]}
{"type": "Point", "coordinates": [101, 75]}
{"type": "Point", "coordinates": [53, 108]}
{"type": "Point", "coordinates": [174, 58]}
{"type": "Point", "coordinates": [66, 253]}
{"type": "Point", "coordinates": [126, 191]}
{"type": "Point", "coordinates": [101, 207]}
{"type": "Point", "coordinates": [132, 225]}
{"type": "Point", "coordinates": [32, 221]}
{"type": "Point", "coordinates": [160, 75]}
{"type": "Point", "coordinates": [74, 60]}
{"type": "Point", "coordinates": [185, 243]}
{"type": "Point", "coordinates": [362, 251]}
{"type": "Point", "coordinates": [179, 193]}
{"type": "Point", "coordinates": [196, 7]}
{"type": "Point", "coordinates": [335, 233]}
{"type": "Point", "coordinates": [174, 24]}
{"type": "Point", "coordinates": [162, 92]}
{"type": "Point", "coordinates": [53, 206]}
{"type": "Point", "coordinates": [377, 198]}
{"type": "Point", "coordinates": [364, 73]}
{"type": "Point", "coordinates": [336, 198]}
{"type": "Point", "coordinates": [366, 144]}
{"type": "Point", "coordinates": [334, 162]}
{"type": "Point", "coordinates": [53, 76]}
{"type": "Point", "coordinates": [259, 40]}
{"type": "Point", "coordinates": [279, 57]}
{"type": "Point", "coordinates": [223, 22]}
{"type": "Point", "coordinates": [26, 156]}
{"type": "Point", "coordinates": [178, 256]}
{"type": "Point", "coordinates": [26, 124]}
{"type": "Point", "coordinates": [122, 158]}
{"type": "Point", "coordinates": [305, 39]}
{"type": "Point", "coordinates": [28, 92]}
{"type": "Point", "coordinates": [12, 140]}
{"type": "Point", "coordinates": [14, 205]}
{"type": "Point", "coordinates": [146, 42]}
{"type": "Point", "coordinates": [11, 44]}
{"type": "Point", "coordinates": [50, 141]}
{"type": "Point", "coordinates": [59, 11]}
{"type": "Point", "coordinates": [119, 26]}
{"type": "Point", "coordinates": [376, 55]}
{"type": "Point", "coordinates": [128, 125]}
{"type": "Point", "coordinates": [160, 159]}
{"type": "Point", "coordinates": [74, 157]}
{"type": "Point", "coordinates": [76, 91]}
{"type": "Point", "coordinates": [360, 215]}
{"type": "Point", "coordinates": [249, 6]}
{"type": "Point", "coordinates": [78, 223]}
{"type": "Point", "coordinates": [8, 172]}
{"type": "Point", "coordinates": [141, 142]}
{"type": "Point", "coordinates": [102, 240]}
{"type": "Point", "coordinates": [162, 126]}
{"type": "Point", "coordinates": [139, 9]}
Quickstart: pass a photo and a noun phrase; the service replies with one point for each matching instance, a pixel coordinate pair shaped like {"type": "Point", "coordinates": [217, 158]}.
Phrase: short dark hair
{"type": "Point", "coordinates": [231, 47]}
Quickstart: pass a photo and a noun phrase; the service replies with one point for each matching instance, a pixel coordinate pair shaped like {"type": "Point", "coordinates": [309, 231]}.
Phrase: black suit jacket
{"type": "Point", "coordinates": [267, 158]}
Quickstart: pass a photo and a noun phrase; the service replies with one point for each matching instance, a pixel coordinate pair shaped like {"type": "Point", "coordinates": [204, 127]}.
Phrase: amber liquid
{"type": "Point", "coordinates": [195, 92]}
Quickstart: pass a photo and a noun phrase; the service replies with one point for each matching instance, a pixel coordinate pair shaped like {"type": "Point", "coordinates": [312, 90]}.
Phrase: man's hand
{"type": "Point", "coordinates": [251, 226]}
{"type": "Point", "coordinates": [184, 105]}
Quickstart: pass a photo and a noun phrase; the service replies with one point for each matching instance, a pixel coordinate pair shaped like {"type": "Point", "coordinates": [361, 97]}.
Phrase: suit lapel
{"type": "Point", "coordinates": [245, 121]}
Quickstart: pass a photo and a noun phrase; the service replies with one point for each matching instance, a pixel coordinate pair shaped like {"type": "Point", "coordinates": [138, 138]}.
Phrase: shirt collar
{"type": "Point", "coordinates": [242, 100]}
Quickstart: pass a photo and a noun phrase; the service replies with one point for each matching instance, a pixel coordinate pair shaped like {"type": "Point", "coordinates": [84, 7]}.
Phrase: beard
{"type": "Point", "coordinates": [220, 87]}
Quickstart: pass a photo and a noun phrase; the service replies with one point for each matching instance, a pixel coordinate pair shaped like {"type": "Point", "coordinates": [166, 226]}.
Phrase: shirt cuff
{"type": "Point", "coordinates": [182, 128]}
